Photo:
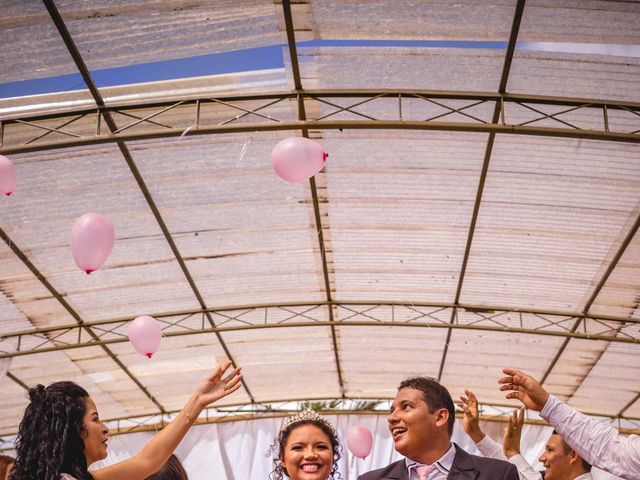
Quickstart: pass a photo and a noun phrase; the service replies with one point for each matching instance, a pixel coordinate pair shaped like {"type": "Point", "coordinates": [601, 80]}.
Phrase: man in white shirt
{"type": "Point", "coordinates": [421, 423]}
{"type": "Point", "coordinates": [600, 445]}
{"type": "Point", "coordinates": [559, 460]}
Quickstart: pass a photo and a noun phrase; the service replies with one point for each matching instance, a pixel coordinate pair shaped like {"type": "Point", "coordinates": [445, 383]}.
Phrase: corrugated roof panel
{"type": "Point", "coordinates": [394, 201]}
{"type": "Point", "coordinates": [177, 368]}
{"type": "Point", "coordinates": [132, 32]}
{"type": "Point", "coordinates": [400, 352]}
{"type": "Point", "coordinates": [575, 75]}
{"type": "Point", "coordinates": [577, 359]}
{"type": "Point", "coordinates": [33, 304]}
{"type": "Point", "coordinates": [619, 372]}
{"type": "Point", "coordinates": [230, 213]}
{"type": "Point", "coordinates": [604, 22]}
{"type": "Point", "coordinates": [465, 20]}
{"type": "Point", "coordinates": [37, 48]}
{"type": "Point", "coordinates": [11, 318]}
{"type": "Point", "coordinates": [140, 275]}
{"type": "Point", "coordinates": [13, 401]}
{"type": "Point", "coordinates": [550, 221]}
{"type": "Point", "coordinates": [115, 393]}
{"type": "Point", "coordinates": [400, 67]}
{"type": "Point", "coordinates": [620, 295]}
{"type": "Point", "coordinates": [288, 363]}
{"type": "Point", "coordinates": [475, 360]}
{"type": "Point", "coordinates": [633, 411]}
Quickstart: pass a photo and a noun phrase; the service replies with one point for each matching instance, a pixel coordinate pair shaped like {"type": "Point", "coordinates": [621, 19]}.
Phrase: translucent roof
{"type": "Point", "coordinates": [479, 207]}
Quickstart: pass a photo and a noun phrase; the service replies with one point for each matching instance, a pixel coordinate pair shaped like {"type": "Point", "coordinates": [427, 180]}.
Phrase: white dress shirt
{"type": "Point", "coordinates": [600, 445]}
{"type": "Point", "coordinates": [491, 449]}
{"type": "Point", "coordinates": [443, 465]}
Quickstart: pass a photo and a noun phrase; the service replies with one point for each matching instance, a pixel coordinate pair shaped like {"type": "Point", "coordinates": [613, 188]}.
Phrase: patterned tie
{"type": "Point", "coordinates": [423, 471]}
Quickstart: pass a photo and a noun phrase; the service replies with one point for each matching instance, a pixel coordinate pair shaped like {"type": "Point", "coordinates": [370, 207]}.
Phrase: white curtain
{"type": "Point", "coordinates": [243, 450]}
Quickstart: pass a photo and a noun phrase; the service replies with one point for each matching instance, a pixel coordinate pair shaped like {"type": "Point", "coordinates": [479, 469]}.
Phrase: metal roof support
{"type": "Point", "coordinates": [295, 68]}
{"type": "Point", "coordinates": [513, 38]}
{"type": "Point", "coordinates": [66, 337]}
{"type": "Point", "coordinates": [86, 75]}
{"type": "Point", "coordinates": [20, 254]}
{"type": "Point", "coordinates": [17, 380]}
{"type": "Point", "coordinates": [492, 128]}
{"type": "Point", "coordinates": [592, 298]}
{"type": "Point", "coordinates": [145, 130]}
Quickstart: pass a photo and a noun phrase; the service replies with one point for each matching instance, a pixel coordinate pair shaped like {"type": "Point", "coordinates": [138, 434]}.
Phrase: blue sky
{"type": "Point", "coordinates": [263, 58]}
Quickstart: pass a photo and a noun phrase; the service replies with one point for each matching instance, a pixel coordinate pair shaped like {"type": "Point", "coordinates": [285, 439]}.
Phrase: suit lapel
{"type": "Point", "coordinates": [462, 468]}
{"type": "Point", "coordinates": [398, 472]}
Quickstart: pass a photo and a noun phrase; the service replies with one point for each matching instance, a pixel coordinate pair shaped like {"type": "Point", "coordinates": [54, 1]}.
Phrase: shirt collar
{"type": "Point", "coordinates": [443, 464]}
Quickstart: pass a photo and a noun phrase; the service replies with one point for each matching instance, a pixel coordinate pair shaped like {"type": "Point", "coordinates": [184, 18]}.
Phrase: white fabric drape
{"type": "Point", "coordinates": [244, 450]}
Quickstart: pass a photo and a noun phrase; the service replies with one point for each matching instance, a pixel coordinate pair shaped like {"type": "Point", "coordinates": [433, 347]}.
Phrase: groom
{"type": "Point", "coordinates": [421, 424]}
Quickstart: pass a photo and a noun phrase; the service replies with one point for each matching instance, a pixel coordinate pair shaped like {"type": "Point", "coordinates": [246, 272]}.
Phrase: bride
{"type": "Point", "coordinates": [308, 449]}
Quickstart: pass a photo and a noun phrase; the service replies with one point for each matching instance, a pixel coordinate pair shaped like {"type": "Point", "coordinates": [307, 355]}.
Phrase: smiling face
{"type": "Point", "coordinates": [556, 459]}
{"type": "Point", "coordinates": [94, 434]}
{"type": "Point", "coordinates": [417, 433]}
{"type": "Point", "coordinates": [308, 454]}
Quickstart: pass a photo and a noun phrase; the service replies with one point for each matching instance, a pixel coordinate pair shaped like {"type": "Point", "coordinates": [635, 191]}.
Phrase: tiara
{"type": "Point", "coordinates": [307, 415]}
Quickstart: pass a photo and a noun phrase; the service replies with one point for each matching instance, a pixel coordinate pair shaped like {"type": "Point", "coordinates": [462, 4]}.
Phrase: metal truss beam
{"type": "Point", "coordinates": [177, 117]}
{"type": "Point", "coordinates": [359, 314]}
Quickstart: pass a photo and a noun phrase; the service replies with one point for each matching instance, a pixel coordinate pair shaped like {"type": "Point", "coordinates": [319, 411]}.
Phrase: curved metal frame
{"type": "Point", "coordinates": [148, 117]}
{"type": "Point", "coordinates": [359, 314]}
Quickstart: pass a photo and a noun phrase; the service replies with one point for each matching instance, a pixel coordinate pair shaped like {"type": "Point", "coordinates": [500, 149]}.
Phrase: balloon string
{"type": "Point", "coordinates": [243, 151]}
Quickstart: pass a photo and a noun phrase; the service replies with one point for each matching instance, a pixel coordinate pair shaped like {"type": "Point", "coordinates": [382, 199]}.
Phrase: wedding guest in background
{"type": "Point", "coordinates": [6, 465]}
{"type": "Point", "coordinates": [600, 445]}
{"type": "Point", "coordinates": [171, 470]}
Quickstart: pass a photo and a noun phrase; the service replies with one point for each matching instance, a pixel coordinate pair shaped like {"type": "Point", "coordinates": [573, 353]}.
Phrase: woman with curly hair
{"type": "Point", "coordinates": [308, 449]}
{"type": "Point", "coordinates": [61, 434]}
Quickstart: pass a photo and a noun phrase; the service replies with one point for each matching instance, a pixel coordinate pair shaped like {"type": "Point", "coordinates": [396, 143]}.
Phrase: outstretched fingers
{"type": "Point", "coordinates": [232, 375]}
{"type": "Point", "coordinates": [219, 371]}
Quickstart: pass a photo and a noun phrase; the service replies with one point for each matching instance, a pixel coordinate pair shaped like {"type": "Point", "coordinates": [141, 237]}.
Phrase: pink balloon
{"type": "Point", "coordinates": [145, 334]}
{"type": "Point", "coordinates": [92, 238]}
{"type": "Point", "coordinates": [296, 159]}
{"type": "Point", "coordinates": [359, 441]}
{"type": "Point", "coordinates": [7, 176]}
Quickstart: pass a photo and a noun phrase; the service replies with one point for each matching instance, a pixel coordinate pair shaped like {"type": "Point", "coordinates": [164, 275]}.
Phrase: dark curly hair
{"type": "Point", "coordinates": [279, 471]}
{"type": "Point", "coordinates": [49, 436]}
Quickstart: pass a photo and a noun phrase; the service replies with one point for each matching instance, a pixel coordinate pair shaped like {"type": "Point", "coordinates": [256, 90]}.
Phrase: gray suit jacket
{"type": "Point", "coordinates": [465, 467]}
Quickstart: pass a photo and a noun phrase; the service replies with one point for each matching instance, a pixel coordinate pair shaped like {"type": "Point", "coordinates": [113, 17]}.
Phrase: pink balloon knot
{"type": "Point", "coordinates": [325, 155]}
{"type": "Point", "coordinates": [88, 271]}
{"type": "Point", "coordinates": [149, 355]}
{"type": "Point", "coordinates": [8, 194]}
